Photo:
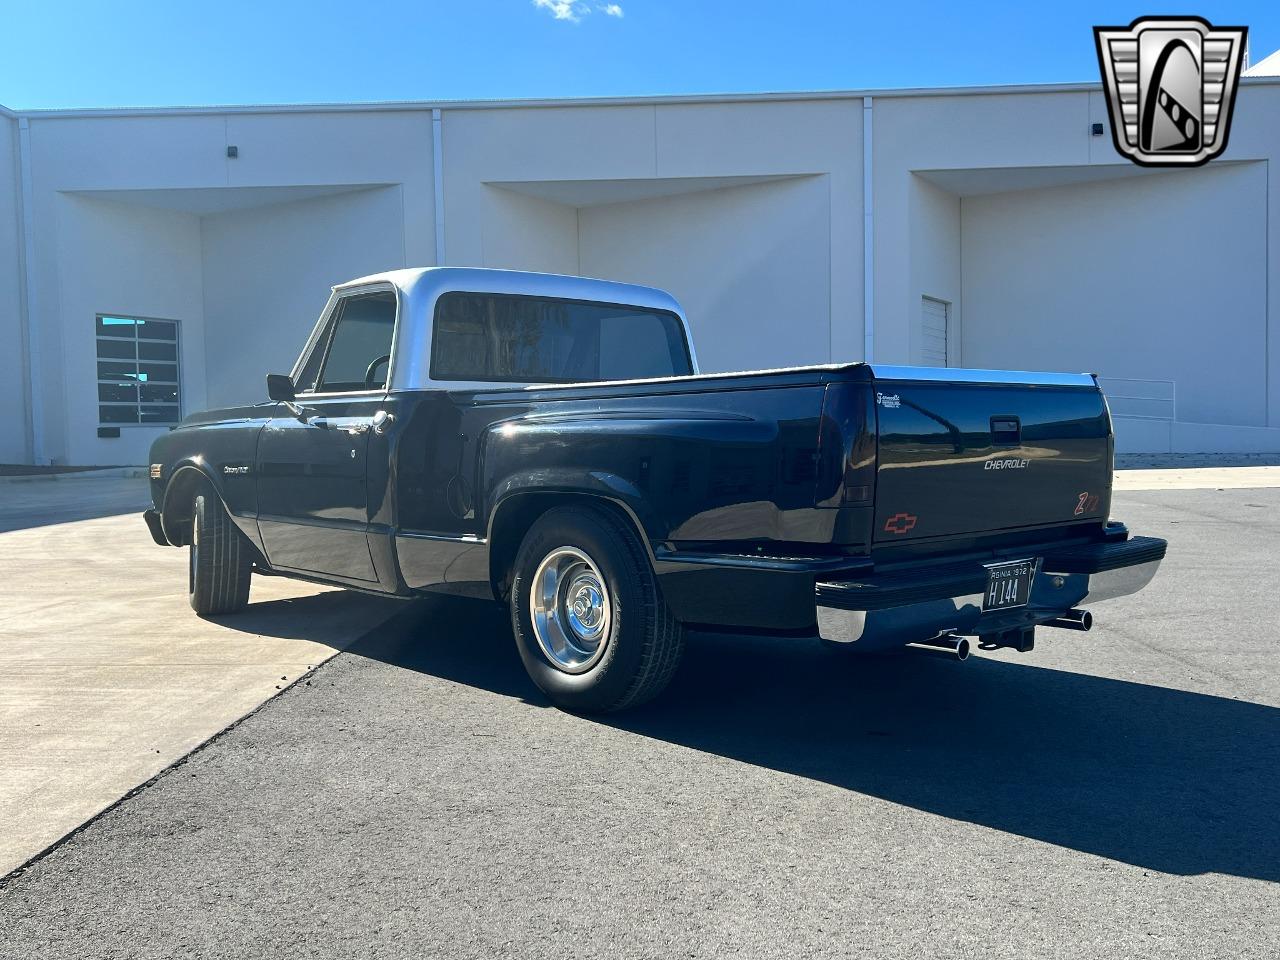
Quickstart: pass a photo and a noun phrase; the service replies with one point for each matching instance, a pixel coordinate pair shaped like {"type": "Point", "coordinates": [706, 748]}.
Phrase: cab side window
{"type": "Point", "coordinates": [359, 351]}
{"type": "Point", "coordinates": [305, 381]}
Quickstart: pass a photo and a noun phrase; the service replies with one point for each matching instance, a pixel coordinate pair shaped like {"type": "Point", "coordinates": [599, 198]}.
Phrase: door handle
{"type": "Point", "coordinates": [351, 429]}
{"type": "Point", "coordinates": [382, 422]}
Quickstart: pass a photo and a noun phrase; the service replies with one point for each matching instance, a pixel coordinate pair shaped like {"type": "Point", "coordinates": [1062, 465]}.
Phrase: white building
{"type": "Point", "coordinates": [983, 228]}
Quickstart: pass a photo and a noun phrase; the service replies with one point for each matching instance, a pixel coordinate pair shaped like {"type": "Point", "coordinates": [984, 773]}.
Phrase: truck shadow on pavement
{"type": "Point", "coordinates": [1179, 782]}
{"type": "Point", "coordinates": [43, 503]}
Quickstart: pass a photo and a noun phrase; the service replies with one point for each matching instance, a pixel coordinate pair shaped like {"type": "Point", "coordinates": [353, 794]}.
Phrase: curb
{"type": "Point", "coordinates": [129, 472]}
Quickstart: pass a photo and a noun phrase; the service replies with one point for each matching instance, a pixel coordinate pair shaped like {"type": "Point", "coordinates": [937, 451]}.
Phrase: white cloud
{"type": "Point", "coordinates": [570, 10]}
{"type": "Point", "coordinates": [573, 11]}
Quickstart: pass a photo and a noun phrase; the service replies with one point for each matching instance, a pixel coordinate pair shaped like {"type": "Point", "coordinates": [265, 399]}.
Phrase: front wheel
{"type": "Point", "coordinates": [221, 563]}
{"type": "Point", "coordinates": [590, 622]}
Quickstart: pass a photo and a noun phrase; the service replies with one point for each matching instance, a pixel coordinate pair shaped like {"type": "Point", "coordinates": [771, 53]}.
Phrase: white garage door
{"type": "Point", "coordinates": [933, 332]}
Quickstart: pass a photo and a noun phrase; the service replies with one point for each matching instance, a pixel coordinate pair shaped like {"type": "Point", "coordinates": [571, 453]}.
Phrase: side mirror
{"type": "Point", "coordinates": [280, 388]}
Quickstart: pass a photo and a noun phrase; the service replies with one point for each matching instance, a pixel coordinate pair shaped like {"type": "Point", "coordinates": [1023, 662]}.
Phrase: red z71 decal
{"type": "Point", "coordinates": [1088, 503]}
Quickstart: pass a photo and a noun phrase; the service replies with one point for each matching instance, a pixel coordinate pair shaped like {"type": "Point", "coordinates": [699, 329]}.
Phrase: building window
{"type": "Point", "coordinates": [137, 370]}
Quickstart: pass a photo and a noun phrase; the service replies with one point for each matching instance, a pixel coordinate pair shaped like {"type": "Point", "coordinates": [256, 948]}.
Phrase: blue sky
{"type": "Point", "coordinates": [91, 53]}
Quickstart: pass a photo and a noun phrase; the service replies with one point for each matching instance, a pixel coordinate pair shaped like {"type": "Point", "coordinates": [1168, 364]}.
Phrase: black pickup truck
{"type": "Point", "coordinates": [547, 442]}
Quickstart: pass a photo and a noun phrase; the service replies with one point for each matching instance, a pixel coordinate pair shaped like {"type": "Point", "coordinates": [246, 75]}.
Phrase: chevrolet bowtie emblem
{"type": "Point", "coordinates": [1171, 85]}
{"type": "Point", "coordinates": [900, 523]}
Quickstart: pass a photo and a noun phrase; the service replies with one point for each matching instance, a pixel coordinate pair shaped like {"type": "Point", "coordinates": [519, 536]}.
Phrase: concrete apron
{"type": "Point", "coordinates": [107, 677]}
{"type": "Point", "coordinates": [1198, 478]}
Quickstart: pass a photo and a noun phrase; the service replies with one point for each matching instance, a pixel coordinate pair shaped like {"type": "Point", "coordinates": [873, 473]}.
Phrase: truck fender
{"type": "Point", "coordinates": [522, 499]}
{"type": "Point", "coordinates": [565, 481]}
{"type": "Point", "coordinates": [179, 495]}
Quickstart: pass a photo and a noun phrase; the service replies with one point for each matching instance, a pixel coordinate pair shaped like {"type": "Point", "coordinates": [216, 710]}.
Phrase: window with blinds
{"type": "Point", "coordinates": [137, 370]}
{"type": "Point", "coordinates": [934, 320]}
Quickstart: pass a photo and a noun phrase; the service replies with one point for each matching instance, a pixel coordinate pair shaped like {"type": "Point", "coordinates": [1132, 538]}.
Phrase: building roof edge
{"type": "Point", "coordinates": [545, 103]}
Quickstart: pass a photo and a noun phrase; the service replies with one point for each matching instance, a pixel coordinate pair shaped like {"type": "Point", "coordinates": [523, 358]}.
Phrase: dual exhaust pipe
{"type": "Point", "coordinates": [957, 646]}
{"type": "Point", "coordinates": [1073, 620]}
{"type": "Point", "coordinates": [1021, 639]}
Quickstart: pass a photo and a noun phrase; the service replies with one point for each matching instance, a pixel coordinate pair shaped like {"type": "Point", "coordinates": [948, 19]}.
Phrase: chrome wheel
{"type": "Point", "coordinates": [193, 559]}
{"type": "Point", "coordinates": [571, 610]}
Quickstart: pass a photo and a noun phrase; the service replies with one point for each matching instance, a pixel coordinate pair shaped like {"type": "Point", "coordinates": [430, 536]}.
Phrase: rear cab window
{"type": "Point", "coordinates": [520, 339]}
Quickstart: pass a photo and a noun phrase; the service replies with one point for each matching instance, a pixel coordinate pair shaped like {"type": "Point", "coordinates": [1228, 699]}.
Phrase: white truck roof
{"type": "Point", "coordinates": [418, 289]}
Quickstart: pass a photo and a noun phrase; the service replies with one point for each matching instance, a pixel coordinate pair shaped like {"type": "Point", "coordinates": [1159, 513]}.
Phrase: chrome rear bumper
{"type": "Point", "coordinates": [899, 609]}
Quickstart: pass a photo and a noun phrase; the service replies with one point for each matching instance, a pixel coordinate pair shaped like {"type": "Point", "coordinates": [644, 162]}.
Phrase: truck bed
{"type": "Point", "coordinates": [842, 458]}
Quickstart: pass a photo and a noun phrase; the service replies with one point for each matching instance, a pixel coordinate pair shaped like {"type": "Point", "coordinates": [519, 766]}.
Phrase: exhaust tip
{"type": "Point", "coordinates": [1073, 620]}
{"type": "Point", "coordinates": [955, 645]}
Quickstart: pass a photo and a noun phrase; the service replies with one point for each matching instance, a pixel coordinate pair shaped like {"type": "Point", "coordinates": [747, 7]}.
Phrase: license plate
{"type": "Point", "coordinates": [1009, 584]}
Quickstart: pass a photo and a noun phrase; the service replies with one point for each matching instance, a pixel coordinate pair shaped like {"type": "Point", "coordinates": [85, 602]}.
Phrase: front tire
{"type": "Point", "coordinates": [220, 564]}
{"type": "Point", "coordinates": [590, 622]}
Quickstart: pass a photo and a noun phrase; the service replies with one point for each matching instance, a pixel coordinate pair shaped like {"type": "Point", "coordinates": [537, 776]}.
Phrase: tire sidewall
{"type": "Point", "coordinates": [609, 680]}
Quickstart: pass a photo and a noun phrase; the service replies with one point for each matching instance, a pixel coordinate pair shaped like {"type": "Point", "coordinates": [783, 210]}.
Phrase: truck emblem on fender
{"type": "Point", "coordinates": [1007, 463]}
{"type": "Point", "coordinates": [1171, 85]}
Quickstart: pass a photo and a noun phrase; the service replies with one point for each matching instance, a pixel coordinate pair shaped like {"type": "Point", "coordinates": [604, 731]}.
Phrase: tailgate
{"type": "Point", "coordinates": [970, 452]}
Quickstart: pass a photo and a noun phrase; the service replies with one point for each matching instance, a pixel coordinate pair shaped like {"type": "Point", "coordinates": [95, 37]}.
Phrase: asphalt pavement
{"type": "Point", "coordinates": [106, 676]}
{"type": "Point", "coordinates": [1112, 794]}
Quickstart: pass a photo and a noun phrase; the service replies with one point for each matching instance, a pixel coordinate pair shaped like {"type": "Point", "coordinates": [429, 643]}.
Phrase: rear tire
{"type": "Point", "coordinates": [590, 622]}
{"type": "Point", "coordinates": [221, 561]}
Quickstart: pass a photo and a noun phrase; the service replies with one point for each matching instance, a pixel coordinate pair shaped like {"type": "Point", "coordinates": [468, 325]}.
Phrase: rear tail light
{"type": "Point", "coordinates": [846, 446]}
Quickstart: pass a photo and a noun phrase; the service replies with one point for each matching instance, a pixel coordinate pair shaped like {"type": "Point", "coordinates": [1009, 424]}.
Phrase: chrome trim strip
{"type": "Point", "coordinates": [313, 338]}
{"type": "Point", "coordinates": [960, 375]}
{"type": "Point", "coordinates": [341, 393]}
{"type": "Point", "coordinates": [466, 538]}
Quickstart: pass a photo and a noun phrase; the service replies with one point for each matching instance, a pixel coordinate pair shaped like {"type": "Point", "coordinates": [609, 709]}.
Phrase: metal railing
{"type": "Point", "coordinates": [1141, 399]}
